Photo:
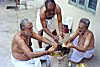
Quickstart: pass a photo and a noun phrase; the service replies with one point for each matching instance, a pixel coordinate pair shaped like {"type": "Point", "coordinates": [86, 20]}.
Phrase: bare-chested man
{"type": "Point", "coordinates": [22, 53]}
{"type": "Point", "coordinates": [84, 49]}
{"type": "Point", "coordinates": [46, 21]}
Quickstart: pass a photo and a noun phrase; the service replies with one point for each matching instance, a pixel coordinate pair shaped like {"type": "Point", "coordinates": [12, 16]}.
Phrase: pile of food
{"type": "Point", "coordinates": [60, 51]}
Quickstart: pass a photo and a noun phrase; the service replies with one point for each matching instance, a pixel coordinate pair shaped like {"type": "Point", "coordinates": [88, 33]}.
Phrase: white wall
{"type": "Point", "coordinates": [95, 26]}
{"type": "Point", "coordinates": [73, 11]}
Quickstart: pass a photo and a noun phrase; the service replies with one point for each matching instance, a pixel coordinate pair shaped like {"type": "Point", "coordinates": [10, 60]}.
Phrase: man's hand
{"type": "Point", "coordinates": [55, 45]}
{"type": "Point", "coordinates": [56, 38]}
{"type": "Point", "coordinates": [66, 42]}
{"type": "Point", "coordinates": [53, 48]}
{"type": "Point", "coordinates": [70, 45]}
{"type": "Point", "coordinates": [62, 35]}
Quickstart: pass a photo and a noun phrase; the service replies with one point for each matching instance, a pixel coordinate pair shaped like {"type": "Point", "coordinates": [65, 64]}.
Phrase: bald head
{"type": "Point", "coordinates": [23, 23]}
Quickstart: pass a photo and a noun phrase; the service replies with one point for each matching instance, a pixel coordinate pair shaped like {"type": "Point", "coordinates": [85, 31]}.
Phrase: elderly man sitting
{"type": "Point", "coordinates": [84, 48]}
{"type": "Point", "coordinates": [22, 53]}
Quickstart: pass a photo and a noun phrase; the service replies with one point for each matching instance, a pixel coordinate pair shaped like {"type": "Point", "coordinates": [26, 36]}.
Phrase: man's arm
{"type": "Point", "coordinates": [59, 18]}
{"type": "Point", "coordinates": [71, 39]}
{"type": "Point", "coordinates": [44, 25]}
{"type": "Point", "coordinates": [31, 54]}
{"type": "Point", "coordinates": [43, 39]}
{"type": "Point", "coordinates": [82, 47]}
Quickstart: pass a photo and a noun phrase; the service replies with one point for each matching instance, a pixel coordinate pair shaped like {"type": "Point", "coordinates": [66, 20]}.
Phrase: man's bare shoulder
{"type": "Point", "coordinates": [42, 9]}
{"type": "Point", "coordinates": [58, 9]}
{"type": "Point", "coordinates": [89, 34]}
{"type": "Point", "coordinates": [17, 37]}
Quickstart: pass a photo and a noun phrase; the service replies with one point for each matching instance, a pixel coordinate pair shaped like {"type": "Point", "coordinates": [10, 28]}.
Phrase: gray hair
{"type": "Point", "coordinates": [23, 23]}
{"type": "Point", "coordinates": [85, 21]}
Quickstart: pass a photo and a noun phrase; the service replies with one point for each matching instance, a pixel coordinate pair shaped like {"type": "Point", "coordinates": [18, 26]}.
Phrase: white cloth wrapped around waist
{"type": "Point", "coordinates": [34, 62]}
{"type": "Point", "coordinates": [77, 56]}
{"type": "Point", "coordinates": [30, 63]}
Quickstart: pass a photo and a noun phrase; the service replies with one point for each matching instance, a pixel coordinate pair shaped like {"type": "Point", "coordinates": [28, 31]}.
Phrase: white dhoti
{"type": "Point", "coordinates": [77, 56]}
{"type": "Point", "coordinates": [30, 63]}
{"type": "Point", "coordinates": [50, 23]}
{"type": "Point", "coordinates": [34, 62]}
{"type": "Point", "coordinates": [45, 57]}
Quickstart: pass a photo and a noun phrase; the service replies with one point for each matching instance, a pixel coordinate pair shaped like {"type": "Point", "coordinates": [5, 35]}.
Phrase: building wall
{"type": "Point", "coordinates": [96, 24]}
{"type": "Point", "coordinates": [73, 11]}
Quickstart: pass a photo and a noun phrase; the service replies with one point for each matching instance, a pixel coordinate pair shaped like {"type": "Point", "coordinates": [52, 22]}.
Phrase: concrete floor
{"type": "Point", "coordinates": [9, 19]}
